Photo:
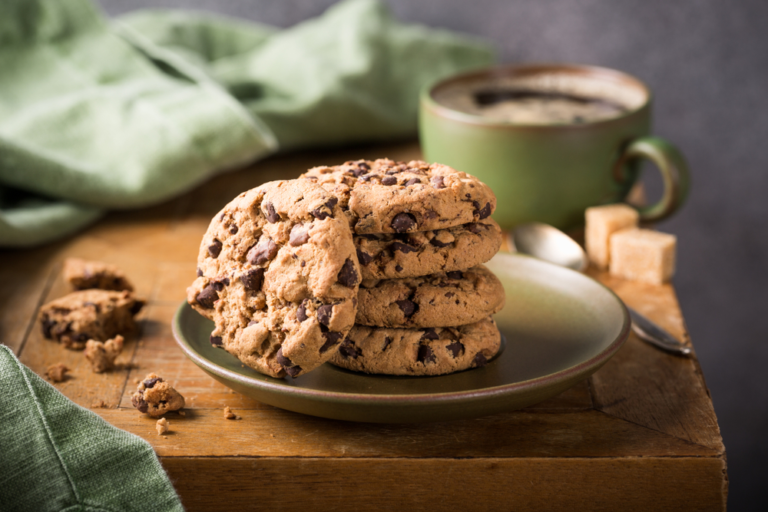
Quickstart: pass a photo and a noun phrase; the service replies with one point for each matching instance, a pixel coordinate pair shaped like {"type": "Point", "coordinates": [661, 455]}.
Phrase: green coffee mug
{"type": "Point", "coordinates": [552, 172]}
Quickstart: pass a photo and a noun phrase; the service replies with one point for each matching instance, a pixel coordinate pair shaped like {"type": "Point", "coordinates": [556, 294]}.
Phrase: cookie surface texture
{"type": "Point", "coordinates": [388, 256]}
{"type": "Point", "coordinates": [438, 351]}
{"type": "Point", "coordinates": [446, 299]}
{"type": "Point", "coordinates": [89, 314]}
{"type": "Point", "coordinates": [85, 274]}
{"type": "Point", "coordinates": [278, 275]}
{"type": "Point", "coordinates": [384, 196]}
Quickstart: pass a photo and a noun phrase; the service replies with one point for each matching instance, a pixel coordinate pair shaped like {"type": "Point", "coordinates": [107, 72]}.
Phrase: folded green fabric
{"type": "Point", "coordinates": [96, 116]}
{"type": "Point", "coordinates": [55, 455]}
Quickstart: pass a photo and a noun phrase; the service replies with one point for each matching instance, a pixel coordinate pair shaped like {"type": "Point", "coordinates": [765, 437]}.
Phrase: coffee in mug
{"type": "Point", "coordinates": [551, 140]}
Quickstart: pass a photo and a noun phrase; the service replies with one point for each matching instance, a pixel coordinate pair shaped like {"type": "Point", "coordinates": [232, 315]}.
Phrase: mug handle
{"type": "Point", "coordinates": [674, 172]}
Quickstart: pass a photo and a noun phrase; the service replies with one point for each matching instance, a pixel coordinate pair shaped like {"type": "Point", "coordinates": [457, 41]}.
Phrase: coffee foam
{"type": "Point", "coordinates": [461, 96]}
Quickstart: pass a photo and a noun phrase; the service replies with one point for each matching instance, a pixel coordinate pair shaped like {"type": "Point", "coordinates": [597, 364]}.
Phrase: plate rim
{"type": "Point", "coordinates": [352, 398]}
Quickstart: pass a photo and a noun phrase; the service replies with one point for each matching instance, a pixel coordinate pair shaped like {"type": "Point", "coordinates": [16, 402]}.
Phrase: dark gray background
{"type": "Point", "coordinates": [707, 62]}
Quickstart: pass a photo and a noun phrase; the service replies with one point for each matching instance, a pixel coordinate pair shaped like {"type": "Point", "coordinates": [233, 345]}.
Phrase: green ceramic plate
{"type": "Point", "coordinates": [560, 326]}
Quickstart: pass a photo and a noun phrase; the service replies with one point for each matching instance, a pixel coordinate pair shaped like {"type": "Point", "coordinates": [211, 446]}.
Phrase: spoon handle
{"type": "Point", "coordinates": [651, 333]}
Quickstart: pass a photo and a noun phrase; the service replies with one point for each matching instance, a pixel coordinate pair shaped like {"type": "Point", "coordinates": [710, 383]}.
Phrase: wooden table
{"type": "Point", "coordinates": [640, 434]}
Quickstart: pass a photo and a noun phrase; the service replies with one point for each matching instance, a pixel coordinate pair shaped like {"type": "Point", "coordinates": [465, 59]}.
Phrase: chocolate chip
{"type": "Point", "coordinates": [456, 348]}
{"type": "Point", "coordinates": [479, 360]}
{"type": "Point", "coordinates": [387, 341]}
{"type": "Point", "coordinates": [363, 257]}
{"type": "Point", "coordinates": [207, 297]}
{"type": "Point", "coordinates": [217, 285]}
{"type": "Point", "coordinates": [398, 268]}
{"type": "Point", "coordinates": [324, 314]}
{"type": "Point", "coordinates": [47, 324]}
{"type": "Point", "coordinates": [393, 171]}
{"type": "Point", "coordinates": [225, 280]}
{"type": "Point", "coordinates": [347, 349]}
{"type": "Point", "coordinates": [272, 215]}
{"type": "Point", "coordinates": [331, 203]}
{"type": "Point", "coordinates": [438, 182]}
{"type": "Point", "coordinates": [473, 228]}
{"type": "Point", "coordinates": [406, 306]}
{"type": "Point", "coordinates": [429, 334]}
{"type": "Point", "coordinates": [412, 181]}
{"type": "Point", "coordinates": [331, 340]}
{"type": "Point", "coordinates": [253, 279]}
{"type": "Point", "coordinates": [399, 246]}
{"type": "Point", "coordinates": [150, 383]}
{"type": "Point", "coordinates": [139, 403]}
{"type": "Point", "coordinates": [301, 313]}
{"type": "Point", "coordinates": [430, 214]}
{"type": "Point", "coordinates": [282, 360]}
{"type": "Point", "coordinates": [403, 222]}
{"type": "Point", "coordinates": [233, 229]}
{"type": "Point", "coordinates": [449, 294]}
{"type": "Point", "coordinates": [293, 371]}
{"type": "Point", "coordinates": [484, 212]}
{"type": "Point", "coordinates": [389, 180]}
{"type": "Point", "coordinates": [319, 214]}
{"type": "Point", "coordinates": [367, 177]}
{"type": "Point", "coordinates": [425, 355]}
{"type": "Point", "coordinates": [216, 341]}
{"type": "Point", "coordinates": [199, 272]}
{"type": "Point", "coordinates": [438, 243]}
{"type": "Point", "coordinates": [456, 274]}
{"type": "Point", "coordinates": [215, 248]}
{"type": "Point", "coordinates": [364, 166]}
{"type": "Point", "coordinates": [262, 252]}
{"type": "Point", "coordinates": [137, 306]}
{"type": "Point", "coordinates": [348, 274]}
{"type": "Point", "coordinates": [299, 235]}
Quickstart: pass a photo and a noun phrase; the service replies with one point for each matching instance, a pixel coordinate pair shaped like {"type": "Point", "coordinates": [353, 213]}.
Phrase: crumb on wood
{"type": "Point", "coordinates": [57, 372]}
{"type": "Point", "coordinates": [99, 404]}
{"type": "Point", "coordinates": [102, 355]}
{"type": "Point", "coordinates": [182, 413]}
{"type": "Point", "coordinates": [228, 414]}
{"type": "Point", "coordinates": [162, 426]}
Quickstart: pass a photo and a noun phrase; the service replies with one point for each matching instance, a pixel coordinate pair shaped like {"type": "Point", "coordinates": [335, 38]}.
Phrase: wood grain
{"type": "Point", "coordinates": [640, 434]}
{"type": "Point", "coordinates": [535, 484]}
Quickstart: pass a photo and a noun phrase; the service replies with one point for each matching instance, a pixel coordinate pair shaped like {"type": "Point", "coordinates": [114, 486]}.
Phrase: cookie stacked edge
{"type": "Point", "coordinates": [421, 233]}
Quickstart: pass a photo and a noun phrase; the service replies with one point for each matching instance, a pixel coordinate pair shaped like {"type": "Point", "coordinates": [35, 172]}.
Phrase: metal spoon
{"type": "Point", "coordinates": [550, 244]}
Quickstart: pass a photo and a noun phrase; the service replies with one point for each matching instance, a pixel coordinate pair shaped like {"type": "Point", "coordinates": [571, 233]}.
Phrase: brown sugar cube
{"type": "Point", "coordinates": [602, 222]}
{"type": "Point", "coordinates": [84, 274]}
{"type": "Point", "coordinates": [102, 355]}
{"type": "Point", "coordinates": [643, 255]}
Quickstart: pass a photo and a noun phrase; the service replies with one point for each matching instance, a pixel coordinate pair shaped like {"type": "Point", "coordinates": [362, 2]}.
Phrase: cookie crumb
{"type": "Point", "coordinates": [84, 274]}
{"type": "Point", "coordinates": [57, 372]}
{"type": "Point", "coordinates": [155, 397]}
{"type": "Point", "coordinates": [162, 426]}
{"type": "Point", "coordinates": [228, 414]}
{"type": "Point", "coordinates": [182, 413]}
{"type": "Point", "coordinates": [102, 355]}
{"type": "Point", "coordinates": [99, 404]}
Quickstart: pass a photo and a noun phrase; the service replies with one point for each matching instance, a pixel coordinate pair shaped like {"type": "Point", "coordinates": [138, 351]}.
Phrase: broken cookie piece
{"type": "Point", "coordinates": [57, 372]}
{"type": "Point", "coordinates": [84, 274]}
{"type": "Point", "coordinates": [102, 355]}
{"type": "Point", "coordinates": [162, 426]}
{"type": "Point", "coordinates": [228, 414]}
{"type": "Point", "coordinates": [156, 397]}
{"type": "Point", "coordinates": [89, 314]}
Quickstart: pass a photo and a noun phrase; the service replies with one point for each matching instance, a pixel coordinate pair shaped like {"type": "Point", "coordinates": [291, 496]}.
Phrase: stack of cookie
{"type": "Point", "coordinates": [421, 234]}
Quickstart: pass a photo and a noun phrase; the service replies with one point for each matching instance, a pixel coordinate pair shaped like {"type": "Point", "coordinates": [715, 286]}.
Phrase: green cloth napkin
{"type": "Point", "coordinates": [55, 455]}
{"type": "Point", "coordinates": [97, 116]}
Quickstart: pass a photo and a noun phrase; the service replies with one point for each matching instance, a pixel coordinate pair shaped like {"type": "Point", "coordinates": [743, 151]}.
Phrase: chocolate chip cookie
{"type": "Point", "coordinates": [278, 275]}
{"type": "Point", "coordinates": [437, 351]}
{"type": "Point", "coordinates": [388, 256]}
{"type": "Point", "coordinates": [89, 314]}
{"type": "Point", "coordinates": [84, 274]}
{"type": "Point", "coordinates": [383, 196]}
{"type": "Point", "coordinates": [155, 397]}
{"type": "Point", "coordinates": [446, 299]}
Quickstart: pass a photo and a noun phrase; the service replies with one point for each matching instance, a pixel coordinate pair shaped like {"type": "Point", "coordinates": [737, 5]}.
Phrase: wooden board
{"type": "Point", "coordinates": [641, 434]}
